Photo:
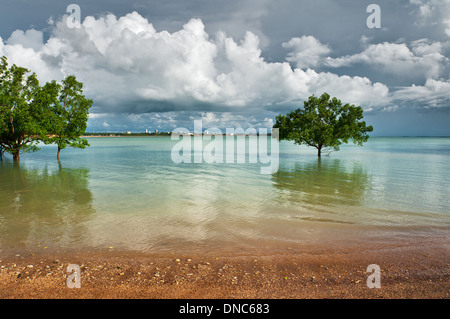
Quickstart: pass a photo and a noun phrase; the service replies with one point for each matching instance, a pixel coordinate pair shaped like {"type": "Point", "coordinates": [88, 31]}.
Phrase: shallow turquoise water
{"type": "Point", "coordinates": [127, 193]}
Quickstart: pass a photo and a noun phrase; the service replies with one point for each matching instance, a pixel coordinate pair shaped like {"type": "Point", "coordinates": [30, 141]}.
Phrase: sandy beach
{"type": "Point", "coordinates": [409, 269]}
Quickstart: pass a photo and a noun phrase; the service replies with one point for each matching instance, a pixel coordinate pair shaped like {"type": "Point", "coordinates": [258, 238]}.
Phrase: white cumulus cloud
{"type": "Point", "coordinates": [433, 12]}
{"type": "Point", "coordinates": [421, 59]}
{"type": "Point", "coordinates": [306, 52]}
{"type": "Point", "coordinates": [129, 66]}
{"type": "Point", "coordinates": [433, 94]}
{"type": "Point", "coordinates": [29, 39]}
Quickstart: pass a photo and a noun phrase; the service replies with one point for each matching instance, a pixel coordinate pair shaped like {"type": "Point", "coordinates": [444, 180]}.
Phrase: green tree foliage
{"type": "Point", "coordinates": [19, 129]}
{"type": "Point", "coordinates": [323, 123]}
{"type": "Point", "coordinates": [30, 113]}
{"type": "Point", "coordinates": [69, 116]}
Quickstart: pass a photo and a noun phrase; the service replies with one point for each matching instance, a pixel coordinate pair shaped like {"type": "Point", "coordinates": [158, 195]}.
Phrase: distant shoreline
{"type": "Point", "coordinates": [165, 134]}
{"type": "Point", "coordinates": [168, 134]}
{"type": "Point", "coordinates": [84, 136]}
{"type": "Point", "coordinates": [126, 135]}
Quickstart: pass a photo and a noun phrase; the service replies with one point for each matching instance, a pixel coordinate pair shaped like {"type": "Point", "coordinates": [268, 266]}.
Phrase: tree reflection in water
{"type": "Point", "coordinates": [43, 206]}
{"type": "Point", "coordinates": [323, 185]}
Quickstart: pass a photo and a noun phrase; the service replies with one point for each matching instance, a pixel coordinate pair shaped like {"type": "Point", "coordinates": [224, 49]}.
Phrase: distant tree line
{"type": "Point", "coordinates": [120, 134]}
{"type": "Point", "coordinates": [30, 113]}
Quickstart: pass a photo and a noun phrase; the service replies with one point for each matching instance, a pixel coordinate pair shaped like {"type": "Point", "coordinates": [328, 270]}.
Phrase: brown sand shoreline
{"type": "Point", "coordinates": [412, 269]}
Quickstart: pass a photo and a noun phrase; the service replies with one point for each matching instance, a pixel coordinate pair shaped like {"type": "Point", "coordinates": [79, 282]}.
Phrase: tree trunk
{"type": "Point", "coordinates": [59, 150]}
{"type": "Point", "coordinates": [319, 150]}
{"type": "Point", "coordinates": [16, 157]}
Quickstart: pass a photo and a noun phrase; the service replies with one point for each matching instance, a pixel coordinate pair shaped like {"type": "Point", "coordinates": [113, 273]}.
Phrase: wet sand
{"type": "Point", "coordinates": [409, 269]}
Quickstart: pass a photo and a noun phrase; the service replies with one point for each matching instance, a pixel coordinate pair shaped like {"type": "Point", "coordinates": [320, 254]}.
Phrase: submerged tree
{"type": "Point", "coordinates": [19, 128]}
{"type": "Point", "coordinates": [324, 122]}
{"type": "Point", "coordinates": [30, 113]}
{"type": "Point", "coordinates": [69, 116]}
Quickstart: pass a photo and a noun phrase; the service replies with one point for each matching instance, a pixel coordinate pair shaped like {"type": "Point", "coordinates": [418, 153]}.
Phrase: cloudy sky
{"type": "Point", "coordinates": [151, 64]}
